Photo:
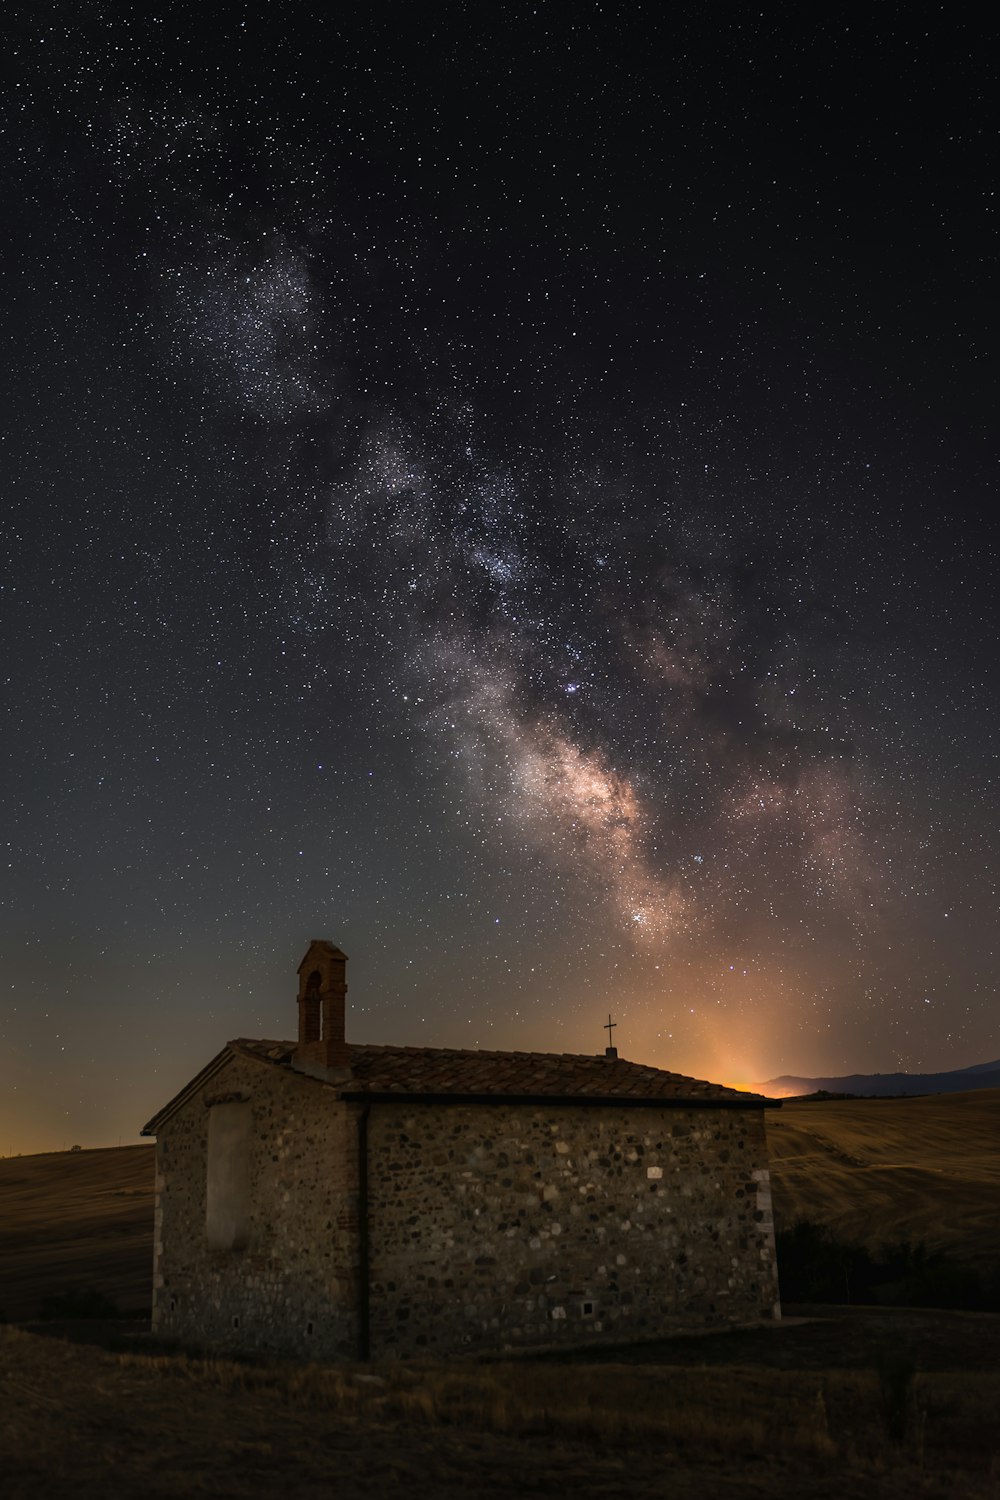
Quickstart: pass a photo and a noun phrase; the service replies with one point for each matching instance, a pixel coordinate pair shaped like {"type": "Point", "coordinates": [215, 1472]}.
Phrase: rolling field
{"type": "Point", "coordinates": [76, 1218]}
{"type": "Point", "coordinates": [877, 1170]}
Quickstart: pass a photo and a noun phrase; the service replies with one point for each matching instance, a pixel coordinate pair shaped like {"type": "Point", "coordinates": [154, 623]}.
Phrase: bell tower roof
{"type": "Point", "coordinates": [319, 949]}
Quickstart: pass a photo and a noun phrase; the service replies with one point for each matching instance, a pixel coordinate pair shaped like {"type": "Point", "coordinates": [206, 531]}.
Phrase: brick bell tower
{"type": "Point", "coordinates": [322, 992]}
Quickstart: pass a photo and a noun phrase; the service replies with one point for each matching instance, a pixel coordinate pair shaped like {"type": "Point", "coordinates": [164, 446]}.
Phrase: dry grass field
{"type": "Point", "coordinates": [76, 1218]}
{"type": "Point", "coordinates": [875, 1170]}
{"type": "Point", "coordinates": [706, 1418]}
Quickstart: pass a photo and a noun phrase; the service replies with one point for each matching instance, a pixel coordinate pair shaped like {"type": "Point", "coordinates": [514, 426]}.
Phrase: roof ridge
{"type": "Point", "coordinates": [468, 1072]}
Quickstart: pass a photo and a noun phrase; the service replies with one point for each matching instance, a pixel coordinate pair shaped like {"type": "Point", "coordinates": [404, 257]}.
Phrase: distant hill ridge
{"type": "Point", "coordinates": [887, 1085]}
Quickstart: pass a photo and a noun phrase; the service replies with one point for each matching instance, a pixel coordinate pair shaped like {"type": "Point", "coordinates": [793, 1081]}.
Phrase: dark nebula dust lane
{"type": "Point", "coordinates": [513, 495]}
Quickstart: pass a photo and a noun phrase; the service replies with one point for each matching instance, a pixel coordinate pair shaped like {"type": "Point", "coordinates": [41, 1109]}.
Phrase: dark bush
{"type": "Point", "coordinates": [895, 1378]}
{"type": "Point", "coordinates": [78, 1302]}
{"type": "Point", "coordinates": [815, 1266]}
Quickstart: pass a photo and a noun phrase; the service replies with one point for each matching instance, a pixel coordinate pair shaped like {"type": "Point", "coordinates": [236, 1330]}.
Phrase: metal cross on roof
{"type": "Point", "coordinates": [609, 1028]}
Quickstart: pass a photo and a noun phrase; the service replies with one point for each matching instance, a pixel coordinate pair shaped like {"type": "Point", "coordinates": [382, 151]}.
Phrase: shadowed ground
{"type": "Point", "coordinates": [866, 1404]}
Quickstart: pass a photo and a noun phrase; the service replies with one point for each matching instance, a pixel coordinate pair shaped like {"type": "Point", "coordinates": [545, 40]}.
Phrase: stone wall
{"type": "Point", "coordinates": [490, 1227]}
{"type": "Point", "coordinates": [293, 1287]}
{"type": "Point", "coordinates": [511, 1226]}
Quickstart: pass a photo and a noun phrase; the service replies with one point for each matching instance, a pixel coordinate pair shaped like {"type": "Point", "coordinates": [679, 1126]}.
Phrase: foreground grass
{"type": "Point", "coordinates": [87, 1422]}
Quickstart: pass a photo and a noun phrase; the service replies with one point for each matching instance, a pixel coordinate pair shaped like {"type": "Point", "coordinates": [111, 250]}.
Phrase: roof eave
{"type": "Point", "coordinates": [219, 1061]}
{"type": "Point", "coordinates": [441, 1097]}
{"type": "Point", "coordinates": [613, 1101]}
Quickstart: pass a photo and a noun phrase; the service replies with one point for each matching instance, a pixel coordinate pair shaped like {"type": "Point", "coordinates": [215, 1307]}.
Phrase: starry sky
{"type": "Point", "coordinates": [509, 489]}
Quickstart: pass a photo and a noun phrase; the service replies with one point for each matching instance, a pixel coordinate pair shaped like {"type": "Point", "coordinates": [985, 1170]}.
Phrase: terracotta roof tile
{"type": "Point", "coordinates": [440, 1070]}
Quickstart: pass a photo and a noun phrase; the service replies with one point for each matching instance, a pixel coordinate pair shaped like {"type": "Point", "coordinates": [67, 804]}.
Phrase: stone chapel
{"type": "Point", "coordinates": [327, 1199]}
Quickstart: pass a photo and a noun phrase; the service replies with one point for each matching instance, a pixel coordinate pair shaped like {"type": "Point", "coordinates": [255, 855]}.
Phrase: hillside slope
{"type": "Point", "coordinates": [76, 1218]}
{"type": "Point", "coordinates": [883, 1169]}
{"type": "Point", "coordinates": [885, 1085]}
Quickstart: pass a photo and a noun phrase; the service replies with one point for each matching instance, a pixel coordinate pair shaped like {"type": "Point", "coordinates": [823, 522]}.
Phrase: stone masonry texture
{"type": "Point", "coordinates": [292, 1289]}
{"type": "Point", "coordinates": [512, 1226]}
{"type": "Point", "coordinates": [490, 1227]}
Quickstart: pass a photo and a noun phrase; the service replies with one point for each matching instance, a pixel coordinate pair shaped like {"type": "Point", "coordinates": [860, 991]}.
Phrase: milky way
{"type": "Point", "coordinates": [464, 510]}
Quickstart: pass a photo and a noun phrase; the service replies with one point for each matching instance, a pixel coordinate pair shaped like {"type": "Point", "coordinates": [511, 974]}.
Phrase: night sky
{"type": "Point", "coordinates": [509, 490]}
